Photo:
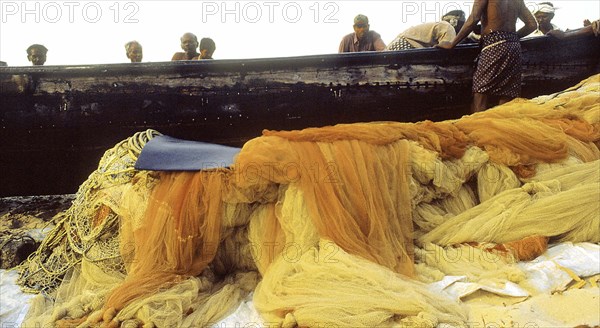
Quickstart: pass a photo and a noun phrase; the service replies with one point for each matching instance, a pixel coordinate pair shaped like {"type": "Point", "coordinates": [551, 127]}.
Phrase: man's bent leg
{"type": "Point", "coordinates": [479, 102]}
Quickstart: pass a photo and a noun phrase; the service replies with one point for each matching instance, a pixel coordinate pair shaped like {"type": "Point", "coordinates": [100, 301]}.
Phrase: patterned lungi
{"type": "Point", "coordinates": [400, 43]}
{"type": "Point", "coordinates": [498, 69]}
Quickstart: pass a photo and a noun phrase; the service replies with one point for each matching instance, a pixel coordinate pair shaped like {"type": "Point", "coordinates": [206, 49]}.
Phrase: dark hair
{"type": "Point", "coordinates": [190, 34]}
{"type": "Point", "coordinates": [38, 46]}
{"type": "Point", "coordinates": [208, 44]}
{"type": "Point", "coordinates": [459, 13]}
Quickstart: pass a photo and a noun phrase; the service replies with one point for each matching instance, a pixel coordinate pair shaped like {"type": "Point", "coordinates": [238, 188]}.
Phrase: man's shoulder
{"type": "Point", "coordinates": [374, 34]}
{"type": "Point", "coordinates": [374, 37]}
{"type": "Point", "coordinates": [445, 24]}
{"type": "Point", "coordinates": [348, 36]}
{"type": "Point", "coordinates": [178, 56]}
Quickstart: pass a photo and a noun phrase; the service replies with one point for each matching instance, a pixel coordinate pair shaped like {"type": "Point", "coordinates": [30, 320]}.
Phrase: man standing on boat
{"type": "Point", "coordinates": [498, 71]}
{"type": "Point", "coordinates": [189, 44]}
{"type": "Point", "coordinates": [362, 39]}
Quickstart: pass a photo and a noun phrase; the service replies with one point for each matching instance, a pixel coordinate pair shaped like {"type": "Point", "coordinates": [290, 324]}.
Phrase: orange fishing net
{"type": "Point", "coordinates": [178, 237]}
{"type": "Point", "coordinates": [335, 214]}
{"type": "Point", "coordinates": [336, 179]}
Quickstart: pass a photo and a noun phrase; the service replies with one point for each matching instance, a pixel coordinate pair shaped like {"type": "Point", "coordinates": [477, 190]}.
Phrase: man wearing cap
{"type": "Point", "coordinates": [498, 71]}
{"type": "Point", "coordinates": [429, 34]}
{"type": "Point", "coordinates": [362, 39]}
{"type": "Point", "coordinates": [543, 15]}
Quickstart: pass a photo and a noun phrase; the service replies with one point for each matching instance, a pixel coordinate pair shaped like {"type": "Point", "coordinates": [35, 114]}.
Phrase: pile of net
{"type": "Point", "coordinates": [334, 226]}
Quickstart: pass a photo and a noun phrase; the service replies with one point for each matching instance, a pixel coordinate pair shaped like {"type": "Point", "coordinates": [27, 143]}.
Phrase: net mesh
{"type": "Point", "coordinates": [312, 220]}
{"type": "Point", "coordinates": [87, 229]}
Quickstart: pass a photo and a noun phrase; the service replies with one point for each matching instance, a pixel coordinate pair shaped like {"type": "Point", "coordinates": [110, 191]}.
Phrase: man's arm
{"type": "Point", "coordinates": [342, 47]}
{"type": "Point", "coordinates": [478, 7]}
{"type": "Point", "coordinates": [593, 29]}
{"type": "Point", "coordinates": [378, 43]}
{"type": "Point", "coordinates": [527, 17]}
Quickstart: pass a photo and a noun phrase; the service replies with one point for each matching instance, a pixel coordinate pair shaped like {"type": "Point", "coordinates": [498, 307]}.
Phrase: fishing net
{"type": "Point", "coordinates": [87, 229]}
{"type": "Point", "coordinates": [339, 226]}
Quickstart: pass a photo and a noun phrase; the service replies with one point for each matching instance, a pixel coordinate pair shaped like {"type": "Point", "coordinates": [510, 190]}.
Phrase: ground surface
{"type": "Point", "coordinates": [22, 220]}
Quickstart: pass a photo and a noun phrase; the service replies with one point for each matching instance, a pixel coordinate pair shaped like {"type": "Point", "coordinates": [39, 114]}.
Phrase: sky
{"type": "Point", "coordinates": [95, 32]}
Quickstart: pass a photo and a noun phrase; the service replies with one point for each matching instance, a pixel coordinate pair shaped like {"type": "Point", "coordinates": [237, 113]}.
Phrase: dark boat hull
{"type": "Point", "coordinates": [57, 121]}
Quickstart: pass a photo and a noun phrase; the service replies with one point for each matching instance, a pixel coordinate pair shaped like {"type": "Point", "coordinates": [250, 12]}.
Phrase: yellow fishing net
{"type": "Point", "coordinates": [87, 229]}
{"type": "Point", "coordinates": [335, 226]}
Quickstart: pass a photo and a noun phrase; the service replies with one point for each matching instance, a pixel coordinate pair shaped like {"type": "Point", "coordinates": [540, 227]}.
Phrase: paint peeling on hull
{"type": "Point", "coordinates": [56, 121]}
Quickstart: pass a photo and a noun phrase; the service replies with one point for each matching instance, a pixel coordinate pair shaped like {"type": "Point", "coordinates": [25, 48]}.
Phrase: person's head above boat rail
{"type": "Point", "coordinates": [361, 25]}
{"type": "Point", "coordinates": [133, 50]}
{"type": "Point", "coordinates": [363, 39]}
{"type": "Point", "coordinates": [189, 44]}
{"type": "Point", "coordinates": [544, 13]}
{"type": "Point", "coordinates": [207, 48]}
{"type": "Point", "coordinates": [36, 54]}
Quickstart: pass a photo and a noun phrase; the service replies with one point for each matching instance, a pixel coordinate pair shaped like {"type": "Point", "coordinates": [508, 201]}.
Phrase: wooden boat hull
{"type": "Point", "coordinates": [56, 121]}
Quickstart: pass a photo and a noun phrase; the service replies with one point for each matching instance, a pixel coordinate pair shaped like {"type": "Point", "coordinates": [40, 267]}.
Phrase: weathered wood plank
{"type": "Point", "coordinates": [56, 121]}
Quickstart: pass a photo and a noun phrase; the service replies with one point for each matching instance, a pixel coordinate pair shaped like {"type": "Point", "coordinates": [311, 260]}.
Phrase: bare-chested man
{"type": "Point", "coordinates": [189, 44]}
{"type": "Point", "coordinates": [498, 71]}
